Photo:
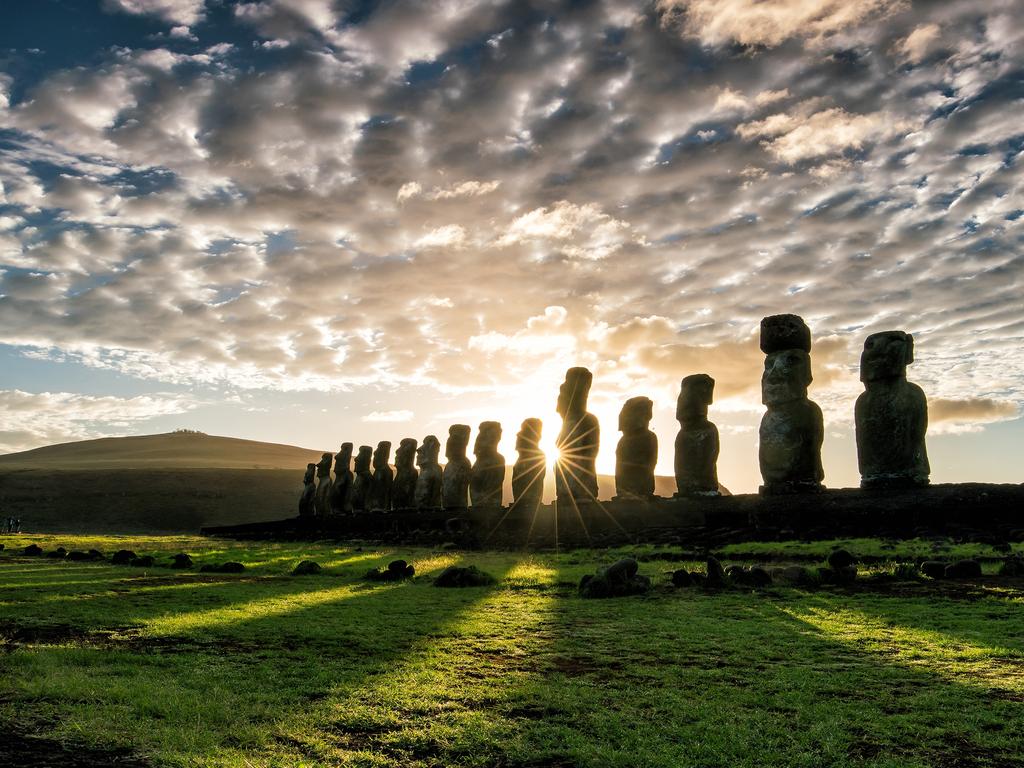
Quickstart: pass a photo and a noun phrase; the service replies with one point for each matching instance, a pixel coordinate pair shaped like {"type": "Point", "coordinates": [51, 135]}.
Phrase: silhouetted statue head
{"type": "Point", "coordinates": [636, 415]}
{"type": "Point", "coordinates": [363, 458]}
{"type": "Point", "coordinates": [405, 454]}
{"type": "Point", "coordinates": [573, 394]}
{"type": "Point", "coordinates": [382, 455]}
{"type": "Point", "coordinates": [310, 473]}
{"type": "Point", "coordinates": [779, 332]}
{"type": "Point", "coordinates": [323, 469]}
{"type": "Point", "coordinates": [528, 437]}
{"type": "Point", "coordinates": [696, 393]}
{"type": "Point", "coordinates": [343, 460]}
{"type": "Point", "coordinates": [886, 356]}
{"type": "Point", "coordinates": [787, 375]}
{"type": "Point", "coordinates": [426, 454]}
{"type": "Point", "coordinates": [487, 438]}
{"type": "Point", "coordinates": [458, 441]}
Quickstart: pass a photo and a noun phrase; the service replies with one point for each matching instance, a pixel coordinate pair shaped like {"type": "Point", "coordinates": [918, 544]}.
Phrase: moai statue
{"type": "Point", "coordinates": [383, 479]}
{"type": "Point", "coordinates": [488, 476]}
{"type": "Point", "coordinates": [308, 492]}
{"type": "Point", "coordinates": [891, 415]}
{"type": "Point", "coordinates": [792, 429]}
{"type": "Point", "coordinates": [458, 470]}
{"type": "Point", "coordinates": [403, 492]}
{"type": "Point", "coordinates": [428, 484]}
{"type": "Point", "coordinates": [363, 480]}
{"type": "Point", "coordinates": [322, 500]}
{"type": "Point", "coordinates": [697, 441]}
{"type": "Point", "coordinates": [530, 468]}
{"type": "Point", "coordinates": [637, 451]}
{"type": "Point", "coordinates": [578, 442]}
{"type": "Point", "coordinates": [341, 491]}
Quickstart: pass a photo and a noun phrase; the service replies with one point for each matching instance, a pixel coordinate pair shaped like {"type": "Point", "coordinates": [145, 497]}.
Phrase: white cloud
{"type": "Point", "coordinates": [389, 416]}
{"type": "Point", "coordinates": [179, 12]}
{"type": "Point", "coordinates": [579, 231]}
{"type": "Point", "coordinates": [918, 43]}
{"type": "Point", "coordinates": [447, 236]}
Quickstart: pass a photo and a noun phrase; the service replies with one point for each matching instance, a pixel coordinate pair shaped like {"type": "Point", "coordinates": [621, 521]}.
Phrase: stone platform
{"type": "Point", "coordinates": [975, 511]}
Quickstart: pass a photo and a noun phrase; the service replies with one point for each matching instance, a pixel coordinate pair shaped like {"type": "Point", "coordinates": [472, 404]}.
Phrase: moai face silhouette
{"type": "Point", "coordinates": [426, 454]}
{"type": "Point", "coordinates": [344, 458]}
{"type": "Point", "coordinates": [528, 437]}
{"type": "Point", "coordinates": [458, 442]}
{"type": "Point", "coordinates": [574, 391]}
{"type": "Point", "coordinates": [487, 438]}
{"type": "Point", "coordinates": [324, 467]}
{"type": "Point", "coordinates": [636, 415]}
{"type": "Point", "coordinates": [310, 473]}
{"type": "Point", "coordinates": [363, 458]}
{"type": "Point", "coordinates": [406, 453]}
{"type": "Point", "coordinates": [886, 356]}
{"type": "Point", "coordinates": [382, 455]}
{"type": "Point", "coordinates": [787, 374]}
{"type": "Point", "coordinates": [696, 393]}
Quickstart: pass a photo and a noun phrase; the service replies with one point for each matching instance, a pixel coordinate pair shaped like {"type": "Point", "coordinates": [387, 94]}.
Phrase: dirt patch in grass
{"type": "Point", "coordinates": [36, 752]}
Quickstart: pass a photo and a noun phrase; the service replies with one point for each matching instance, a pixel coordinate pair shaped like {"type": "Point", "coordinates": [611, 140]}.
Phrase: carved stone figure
{"type": "Point", "coordinates": [383, 479]}
{"type": "Point", "coordinates": [578, 441]}
{"type": "Point", "coordinates": [530, 467]}
{"type": "Point", "coordinates": [308, 492]}
{"type": "Point", "coordinates": [792, 429]}
{"type": "Point", "coordinates": [428, 484]}
{"type": "Point", "coordinates": [403, 492]}
{"type": "Point", "coordinates": [363, 480]}
{"type": "Point", "coordinates": [891, 415]}
{"type": "Point", "coordinates": [637, 451]}
{"type": "Point", "coordinates": [458, 470]}
{"type": "Point", "coordinates": [485, 485]}
{"type": "Point", "coordinates": [341, 490]}
{"type": "Point", "coordinates": [696, 459]}
{"type": "Point", "coordinates": [321, 502]}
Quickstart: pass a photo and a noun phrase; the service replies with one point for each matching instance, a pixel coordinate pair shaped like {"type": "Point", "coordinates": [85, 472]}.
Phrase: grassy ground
{"type": "Point", "coordinates": [267, 669]}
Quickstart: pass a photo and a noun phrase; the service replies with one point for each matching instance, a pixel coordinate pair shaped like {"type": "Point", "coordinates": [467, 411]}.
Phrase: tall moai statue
{"type": "Point", "coordinates": [578, 441]}
{"type": "Point", "coordinates": [306, 509]}
{"type": "Point", "coordinates": [891, 415]}
{"type": "Point", "coordinates": [428, 484]}
{"type": "Point", "coordinates": [637, 451]}
{"type": "Point", "coordinates": [696, 459]}
{"type": "Point", "coordinates": [488, 478]}
{"type": "Point", "coordinates": [403, 492]}
{"type": "Point", "coordinates": [362, 483]}
{"type": "Point", "coordinates": [383, 479]}
{"type": "Point", "coordinates": [458, 470]}
{"type": "Point", "coordinates": [530, 468]}
{"type": "Point", "coordinates": [322, 500]}
{"type": "Point", "coordinates": [341, 490]}
{"type": "Point", "coordinates": [792, 430]}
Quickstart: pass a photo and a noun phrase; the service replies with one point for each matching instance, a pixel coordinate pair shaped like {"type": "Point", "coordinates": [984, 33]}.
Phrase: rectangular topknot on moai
{"type": "Point", "coordinates": [792, 429]}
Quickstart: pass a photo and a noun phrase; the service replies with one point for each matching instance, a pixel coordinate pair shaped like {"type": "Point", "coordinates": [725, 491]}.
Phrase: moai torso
{"type": "Point", "coordinates": [696, 456]}
{"type": "Point", "coordinates": [530, 468]}
{"type": "Point", "coordinates": [637, 451]}
{"type": "Point", "coordinates": [341, 490]}
{"type": "Point", "coordinates": [321, 502]}
{"type": "Point", "coordinates": [383, 479]}
{"type": "Point", "coordinates": [488, 476]}
{"type": "Point", "coordinates": [578, 441]}
{"type": "Point", "coordinates": [428, 484]}
{"type": "Point", "coordinates": [891, 415]}
{"type": "Point", "coordinates": [308, 492]}
{"type": "Point", "coordinates": [403, 492]}
{"type": "Point", "coordinates": [458, 471]}
{"type": "Point", "coordinates": [363, 480]}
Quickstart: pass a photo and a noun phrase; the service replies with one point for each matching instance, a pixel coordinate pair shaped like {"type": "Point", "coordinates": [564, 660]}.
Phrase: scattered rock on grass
{"type": "Point", "coordinates": [759, 576]}
{"type": "Point", "coordinates": [841, 558]}
{"type": "Point", "coordinates": [1012, 566]}
{"type": "Point", "coordinates": [681, 578]}
{"type": "Point", "coordinates": [963, 569]}
{"type": "Point", "coordinates": [123, 557]}
{"type": "Point", "coordinates": [229, 567]}
{"type": "Point", "coordinates": [459, 576]}
{"type": "Point", "coordinates": [181, 560]}
{"type": "Point", "coordinates": [397, 570]}
{"type": "Point", "coordinates": [146, 561]}
{"type": "Point", "coordinates": [935, 569]}
{"type": "Point", "coordinates": [716, 574]}
{"type": "Point", "coordinates": [58, 554]}
{"type": "Point", "coordinates": [616, 580]}
{"type": "Point", "coordinates": [307, 568]}
{"type": "Point", "coordinates": [32, 550]}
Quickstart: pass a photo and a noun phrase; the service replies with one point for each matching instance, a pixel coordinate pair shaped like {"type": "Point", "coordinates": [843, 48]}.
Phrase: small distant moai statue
{"type": "Point", "coordinates": [485, 485]}
{"type": "Point", "coordinates": [428, 484]}
{"type": "Point", "coordinates": [341, 491]}
{"type": "Point", "coordinates": [383, 479]}
{"type": "Point", "coordinates": [891, 415]}
{"type": "Point", "coordinates": [696, 459]}
{"type": "Point", "coordinates": [578, 441]}
{"type": "Point", "coordinates": [362, 483]}
{"type": "Point", "coordinates": [792, 430]}
{"type": "Point", "coordinates": [403, 492]}
{"type": "Point", "coordinates": [637, 451]}
{"type": "Point", "coordinates": [306, 509]}
{"type": "Point", "coordinates": [530, 468]}
{"type": "Point", "coordinates": [321, 502]}
{"type": "Point", "coordinates": [458, 470]}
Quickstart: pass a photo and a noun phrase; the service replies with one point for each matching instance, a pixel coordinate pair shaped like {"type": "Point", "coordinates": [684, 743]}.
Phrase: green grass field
{"type": "Point", "coordinates": [268, 669]}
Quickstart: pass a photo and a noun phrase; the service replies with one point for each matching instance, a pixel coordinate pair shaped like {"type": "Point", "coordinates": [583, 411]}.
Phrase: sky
{"type": "Point", "coordinates": [316, 221]}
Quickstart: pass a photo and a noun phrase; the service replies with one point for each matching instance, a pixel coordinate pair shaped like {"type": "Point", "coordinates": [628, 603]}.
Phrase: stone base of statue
{"type": "Point", "coordinates": [894, 481]}
{"type": "Point", "coordinates": [695, 493]}
{"type": "Point", "coordinates": [790, 488]}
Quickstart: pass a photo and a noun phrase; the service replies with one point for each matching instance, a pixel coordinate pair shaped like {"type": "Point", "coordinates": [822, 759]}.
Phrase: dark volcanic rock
{"type": "Point", "coordinates": [841, 558]}
{"type": "Point", "coordinates": [229, 567]}
{"type": "Point", "coordinates": [716, 574]}
{"type": "Point", "coordinates": [463, 576]}
{"type": "Point", "coordinates": [760, 577]}
{"type": "Point", "coordinates": [681, 578]}
{"type": "Point", "coordinates": [58, 554]}
{"type": "Point", "coordinates": [123, 557]}
{"type": "Point", "coordinates": [397, 570]}
{"type": "Point", "coordinates": [1012, 566]}
{"type": "Point", "coordinates": [32, 550]}
{"type": "Point", "coordinates": [146, 561]}
{"type": "Point", "coordinates": [307, 568]}
{"type": "Point", "coordinates": [963, 569]}
{"type": "Point", "coordinates": [935, 569]}
{"type": "Point", "coordinates": [78, 556]}
{"type": "Point", "coordinates": [181, 560]}
{"type": "Point", "coordinates": [616, 580]}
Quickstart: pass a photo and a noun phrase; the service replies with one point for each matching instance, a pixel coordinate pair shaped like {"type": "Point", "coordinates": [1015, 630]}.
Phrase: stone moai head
{"type": "Point", "coordinates": [310, 473]}
{"type": "Point", "coordinates": [636, 415]}
{"type": "Point", "coordinates": [458, 441]}
{"type": "Point", "coordinates": [696, 393]}
{"type": "Point", "coordinates": [343, 460]}
{"type": "Point", "coordinates": [324, 467]}
{"type": "Point", "coordinates": [886, 356]}
{"type": "Point", "coordinates": [779, 332]}
{"type": "Point", "coordinates": [487, 438]}
{"type": "Point", "coordinates": [426, 454]}
{"type": "Point", "coordinates": [363, 458]}
{"type": "Point", "coordinates": [572, 395]}
{"type": "Point", "coordinates": [787, 374]}
{"type": "Point", "coordinates": [382, 455]}
{"type": "Point", "coordinates": [528, 437]}
{"type": "Point", "coordinates": [406, 453]}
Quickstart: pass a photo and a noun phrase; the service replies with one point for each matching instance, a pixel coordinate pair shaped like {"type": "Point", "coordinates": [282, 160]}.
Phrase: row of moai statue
{"type": "Point", "coordinates": [891, 418]}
